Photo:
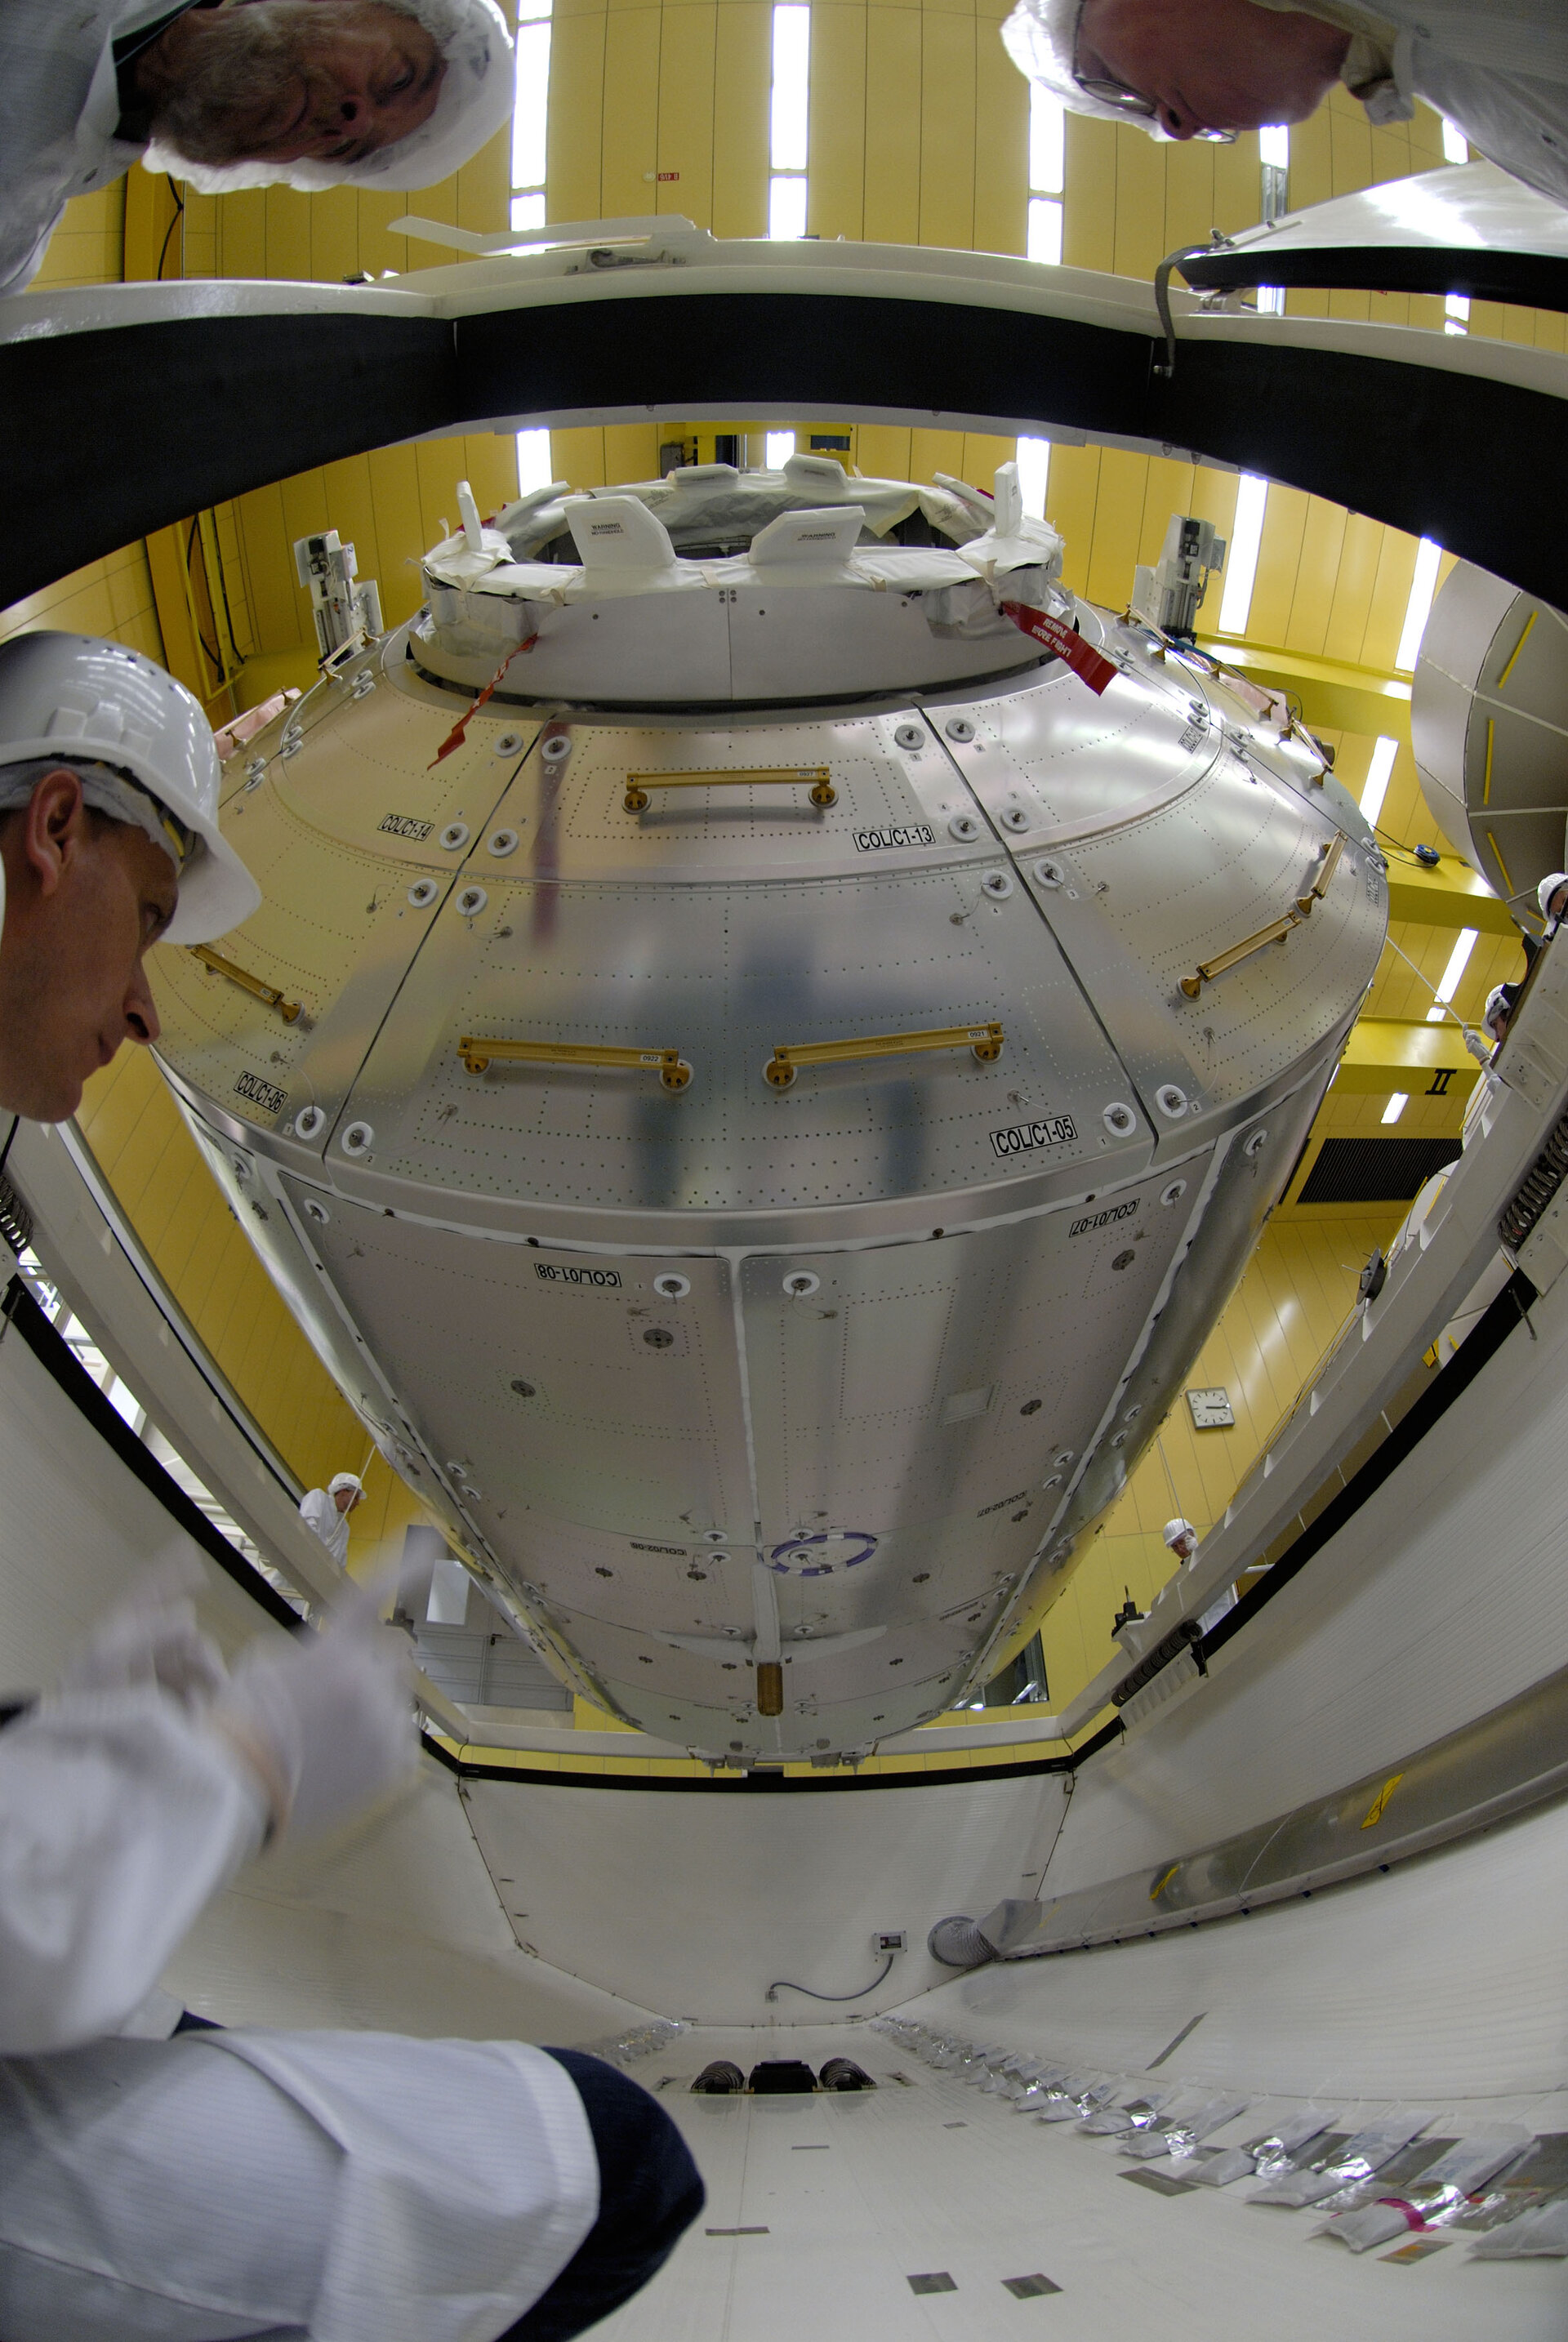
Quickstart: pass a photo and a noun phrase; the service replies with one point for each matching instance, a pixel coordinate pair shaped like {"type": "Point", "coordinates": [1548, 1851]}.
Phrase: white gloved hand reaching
{"type": "Point", "coordinates": [151, 1636]}
{"type": "Point", "coordinates": [326, 1720]}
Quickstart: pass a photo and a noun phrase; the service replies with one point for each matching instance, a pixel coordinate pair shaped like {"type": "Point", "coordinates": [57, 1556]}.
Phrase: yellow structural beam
{"type": "Point", "coordinates": [1452, 895]}
{"type": "Point", "coordinates": [1394, 1053]}
{"type": "Point", "coordinates": [1334, 695]}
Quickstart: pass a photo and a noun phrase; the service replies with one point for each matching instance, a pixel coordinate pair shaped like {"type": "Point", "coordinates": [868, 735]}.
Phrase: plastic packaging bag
{"type": "Point", "coordinates": [1266, 2159]}
{"type": "Point", "coordinates": [1539, 2234]}
{"type": "Point", "coordinates": [1076, 2097]}
{"type": "Point", "coordinates": [1188, 2118]}
{"type": "Point", "coordinates": [1137, 2115]}
{"type": "Point", "coordinates": [1440, 2194]}
{"type": "Point", "coordinates": [1358, 2158]}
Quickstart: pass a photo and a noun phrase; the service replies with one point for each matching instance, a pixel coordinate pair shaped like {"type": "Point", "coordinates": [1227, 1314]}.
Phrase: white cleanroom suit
{"type": "Point", "coordinates": [318, 1512]}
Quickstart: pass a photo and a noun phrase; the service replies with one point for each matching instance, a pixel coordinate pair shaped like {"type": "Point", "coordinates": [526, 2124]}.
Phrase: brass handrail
{"type": "Point", "coordinates": [287, 1009]}
{"type": "Point", "coordinates": [766, 777]}
{"type": "Point", "coordinates": [985, 1040]}
{"type": "Point", "coordinates": [1277, 929]}
{"type": "Point", "coordinates": [670, 1066]}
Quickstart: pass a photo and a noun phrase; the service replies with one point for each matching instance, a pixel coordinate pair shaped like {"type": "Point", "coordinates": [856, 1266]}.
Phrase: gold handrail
{"type": "Point", "coordinates": [985, 1040]}
{"type": "Point", "coordinates": [767, 777]}
{"type": "Point", "coordinates": [670, 1066]}
{"type": "Point", "coordinates": [1277, 929]}
{"type": "Point", "coordinates": [287, 1009]}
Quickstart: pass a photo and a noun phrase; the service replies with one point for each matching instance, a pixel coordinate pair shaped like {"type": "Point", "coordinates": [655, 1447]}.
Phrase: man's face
{"type": "Point", "coordinates": [1558, 903]}
{"type": "Point", "coordinates": [346, 1499]}
{"type": "Point", "coordinates": [366, 76]}
{"type": "Point", "coordinates": [86, 898]}
{"type": "Point", "coordinates": [288, 81]}
{"type": "Point", "coordinates": [1211, 65]}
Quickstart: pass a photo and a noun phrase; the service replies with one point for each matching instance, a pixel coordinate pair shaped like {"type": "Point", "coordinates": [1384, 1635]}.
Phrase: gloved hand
{"type": "Point", "coordinates": [325, 1720]}
{"type": "Point", "coordinates": [151, 1636]}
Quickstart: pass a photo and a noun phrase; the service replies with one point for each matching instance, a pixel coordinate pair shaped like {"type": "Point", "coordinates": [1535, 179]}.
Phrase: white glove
{"type": "Point", "coordinates": [152, 1636]}
{"type": "Point", "coordinates": [325, 1720]}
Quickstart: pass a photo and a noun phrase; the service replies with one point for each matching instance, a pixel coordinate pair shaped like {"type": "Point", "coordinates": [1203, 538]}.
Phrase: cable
{"type": "Point", "coordinates": [214, 660]}
{"type": "Point", "coordinates": [783, 1984]}
{"type": "Point", "coordinates": [168, 232]}
{"type": "Point", "coordinates": [10, 1134]}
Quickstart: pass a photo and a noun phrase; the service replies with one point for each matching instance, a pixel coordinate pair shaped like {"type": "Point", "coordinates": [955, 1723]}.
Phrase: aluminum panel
{"type": "Point", "coordinates": [568, 800]}
{"type": "Point", "coordinates": [746, 968]}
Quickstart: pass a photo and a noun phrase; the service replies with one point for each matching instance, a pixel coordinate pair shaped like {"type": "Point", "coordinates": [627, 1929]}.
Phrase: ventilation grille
{"type": "Point", "coordinates": [1544, 1178]}
{"type": "Point", "coordinates": [1374, 1170]}
{"type": "Point", "coordinates": [15, 1219]}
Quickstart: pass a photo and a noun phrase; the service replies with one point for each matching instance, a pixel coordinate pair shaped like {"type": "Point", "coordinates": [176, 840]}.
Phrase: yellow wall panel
{"type": "Point", "coordinates": [687, 44]}
{"type": "Point", "coordinates": [1001, 145]}
{"type": "Point", "coordinates": [947, 129]}
{"type": "Point", "coordinates": [631, 114]}
{"type": "Point", "coordinates": [741, 81]}
{"type": "Point", "coordinates": [892, 124]}
{"type": "Point", "coordinates": [575, 124]}
{"type": "Point", "coordinates": [836, 153]}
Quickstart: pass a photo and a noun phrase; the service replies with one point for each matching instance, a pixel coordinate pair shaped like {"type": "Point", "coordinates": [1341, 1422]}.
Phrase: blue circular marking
{"type": "Point", "coordinates": [792, 1554]}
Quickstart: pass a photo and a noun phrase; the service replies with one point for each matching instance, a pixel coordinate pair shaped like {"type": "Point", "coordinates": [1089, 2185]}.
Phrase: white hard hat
{"type": "Point", "coordinates": [1547, 888]}
{"type": "Point", "coordinates": [1040, 37]}
{"type": "Point", "coordinates": [345, 1480]}
{"type": "Point", "coordinates": [1177, 1529]}
{"type": "Point", "coordinates": [1497, 1004]}
{"type": "Point", "coordinates": [478, 96]}
{"type": "Point", "coordinates": [75, 697]}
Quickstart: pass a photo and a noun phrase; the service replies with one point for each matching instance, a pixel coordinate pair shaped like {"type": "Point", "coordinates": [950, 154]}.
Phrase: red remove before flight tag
{"type": "Point", "coordinates": [1082, 658]}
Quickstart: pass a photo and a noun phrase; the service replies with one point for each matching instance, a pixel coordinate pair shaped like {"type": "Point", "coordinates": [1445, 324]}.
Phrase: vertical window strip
{"type": "Point", "coordinates": [1242, 560]}
{"type": "Point", "coordinates": [530, 129]}
{"type": "Point", "coordinates": [789, 121]}
{"type": "Point", "coordinates": [1047, 177]}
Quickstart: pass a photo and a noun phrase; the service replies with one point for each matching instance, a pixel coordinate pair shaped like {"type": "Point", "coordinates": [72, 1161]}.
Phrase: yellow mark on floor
{"type": "Point", "coordinates": [1375, 1811]}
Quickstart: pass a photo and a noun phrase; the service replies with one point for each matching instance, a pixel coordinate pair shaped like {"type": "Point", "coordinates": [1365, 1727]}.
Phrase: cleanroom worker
{"type": "Point", "coordinates": [1208, 68]}
{"type": "Point", "coordinates": [1552, 897]}
{"type": "Point", "coordinates": [229, 93]}
{"type": "Point", "coordinates": [1182, 1538]}
{"type": "Point", "coordinates": [160, 2184]}
{"type": "Point", "coordinates": [326, 1511]}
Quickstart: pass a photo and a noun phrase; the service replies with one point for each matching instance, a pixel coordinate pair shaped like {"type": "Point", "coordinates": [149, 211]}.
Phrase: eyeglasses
{"type": "Point", "coordinates": [1108, 90]}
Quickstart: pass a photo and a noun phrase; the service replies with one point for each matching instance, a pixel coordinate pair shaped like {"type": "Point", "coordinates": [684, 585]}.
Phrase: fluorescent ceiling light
{"type": "Point", "coordinates": [528, 211]}
{"type": "Point", "coordinates": [1275, 145]}
{"type": "Point", "coordinates": [1458, 960]}
{"type": "Point", "coordinates": [1034, 461]}
{"type": "Point", "coordinates": [777, 449]}
{"type": "Point", "coordinates": [1271, 301]}
{"type": "Point", "coordinates": [1438, 1016]}
{"type": "Point", "coordinates": [1418, 609]}
{"type": "Point", "coordinates": [1377, 777]}
{"type": "Point", "coordinates": [530, 118]}
{"type": "Point", "coordinates": [1242, 561]}
{"type": "Point", "coordinates": [1044, 230]}
{"type": "Point", "coordinates": [1047, 142]}
{"type": "Point", "coordinates": [1397, 1105]}
{"type": "Point", "coordinates": [533, 467]}
{"type": "Point", "coordinates": [1455, 146]}
{"type": "Point", "coordinates": [792, 87]}
{"type": "Point", "coordinates": [787, 209]}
